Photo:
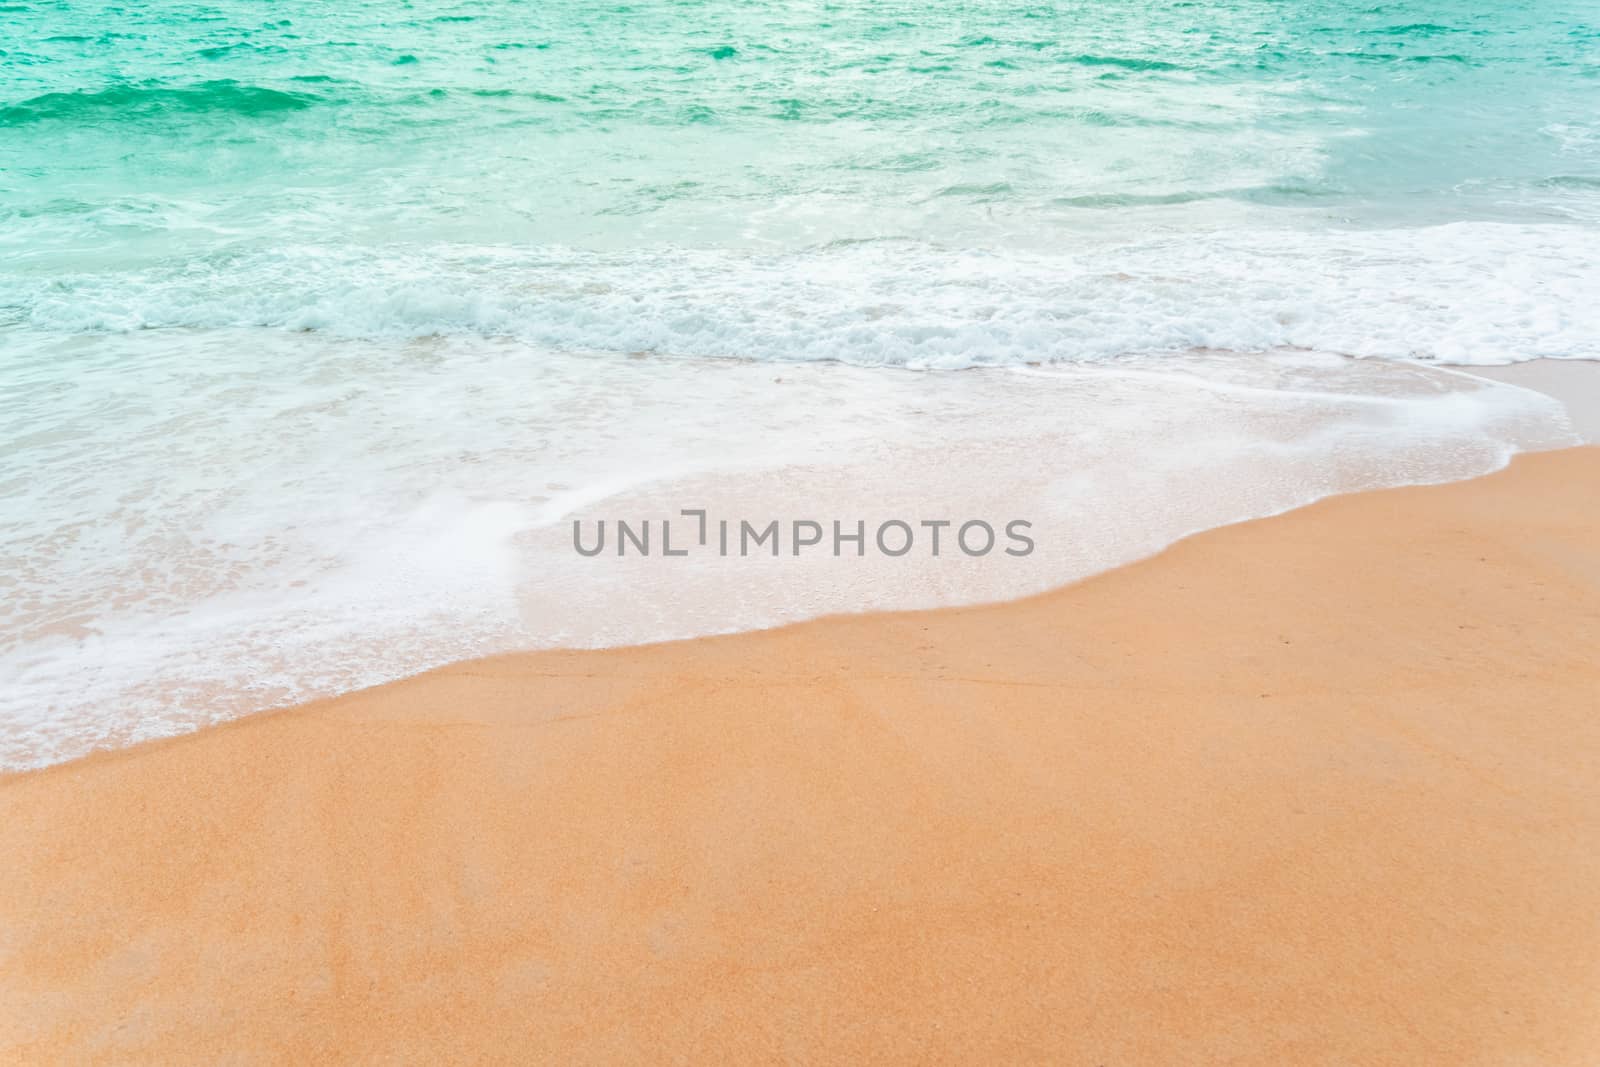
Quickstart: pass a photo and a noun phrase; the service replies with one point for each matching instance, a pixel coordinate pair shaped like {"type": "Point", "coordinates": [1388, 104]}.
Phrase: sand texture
{"type": "Point", "coordinates": [1322, 788]}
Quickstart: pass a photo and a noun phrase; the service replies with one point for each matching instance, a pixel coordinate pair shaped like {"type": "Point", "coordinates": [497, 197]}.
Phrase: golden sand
{"type": "Point", "coordinates": [1323, 788]}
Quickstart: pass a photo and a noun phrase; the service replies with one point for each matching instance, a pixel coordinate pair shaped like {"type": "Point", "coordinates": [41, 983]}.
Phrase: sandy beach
{"type": "Point", "coordinates": [1320, 788]}
{"type": "Point", "coordinates": [724, 533]}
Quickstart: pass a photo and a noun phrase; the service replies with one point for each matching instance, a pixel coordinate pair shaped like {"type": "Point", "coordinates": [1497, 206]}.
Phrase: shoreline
{"type": "Point", "coordinates": [1318, 787]}
{"type": "Point", "coordinates": [1574, 382]}
{"type": "Point", "coordinates": [433, 559]}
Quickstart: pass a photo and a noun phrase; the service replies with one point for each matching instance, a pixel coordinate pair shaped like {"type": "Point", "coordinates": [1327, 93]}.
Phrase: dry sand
{"type": "Point", "coordinates": [1323, 788]}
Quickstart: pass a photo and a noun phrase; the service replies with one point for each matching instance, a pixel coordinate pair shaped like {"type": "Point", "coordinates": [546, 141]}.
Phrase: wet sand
{"type": "Point", "coordinates": [1574, 382]}
{"type": "Point", "coordinates": [1320, 788]}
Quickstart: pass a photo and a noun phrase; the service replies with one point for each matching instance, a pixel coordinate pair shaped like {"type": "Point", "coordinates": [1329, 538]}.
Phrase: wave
{"type": "Point", "coordinates": [142, 101]}
{"type": "Point", "coordinates": [409, 504]}
{"type": "Point", "coordinates": [1419, 29]}
{"type": "Point", "coordinates": [1571, 181]}
{"type": "Point", "coordinates": [1270, 193]}
{"type": "Point", "coordinates": [1120, 62]}
{"type": "Point", "coordinates": [1462, 293]}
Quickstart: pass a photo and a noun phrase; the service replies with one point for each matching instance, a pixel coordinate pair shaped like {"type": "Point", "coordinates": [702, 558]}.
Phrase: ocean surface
{"type": "Point", "coordinates": [319, 323]}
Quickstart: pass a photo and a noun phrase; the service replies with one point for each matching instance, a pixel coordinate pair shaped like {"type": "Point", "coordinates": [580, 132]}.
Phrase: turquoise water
{"type": "Point", "coordinates": [318, 322]}
{"type": "Point", "coordinates": [645, 176]}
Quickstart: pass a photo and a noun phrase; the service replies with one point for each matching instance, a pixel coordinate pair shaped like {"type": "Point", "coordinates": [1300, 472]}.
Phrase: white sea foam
{"type": "Point", "coordinates": [200, 524]}
{"type": "Point", "coordinates": [1466, 293]}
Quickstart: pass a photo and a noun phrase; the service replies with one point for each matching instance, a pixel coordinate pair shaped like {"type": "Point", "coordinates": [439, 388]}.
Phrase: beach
{"type": "Point", "coordinates": [1315, 788]}
{"type": "Point", "coordinates": [824, 533]}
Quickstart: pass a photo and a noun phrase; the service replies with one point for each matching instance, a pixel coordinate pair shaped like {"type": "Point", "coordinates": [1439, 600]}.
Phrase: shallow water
{"type": "Point", "coordinates": [188, 540]}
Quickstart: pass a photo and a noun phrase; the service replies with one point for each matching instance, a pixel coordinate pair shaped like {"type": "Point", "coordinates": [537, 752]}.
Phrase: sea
{"type": "Point", "coordinates": [321, 325]}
